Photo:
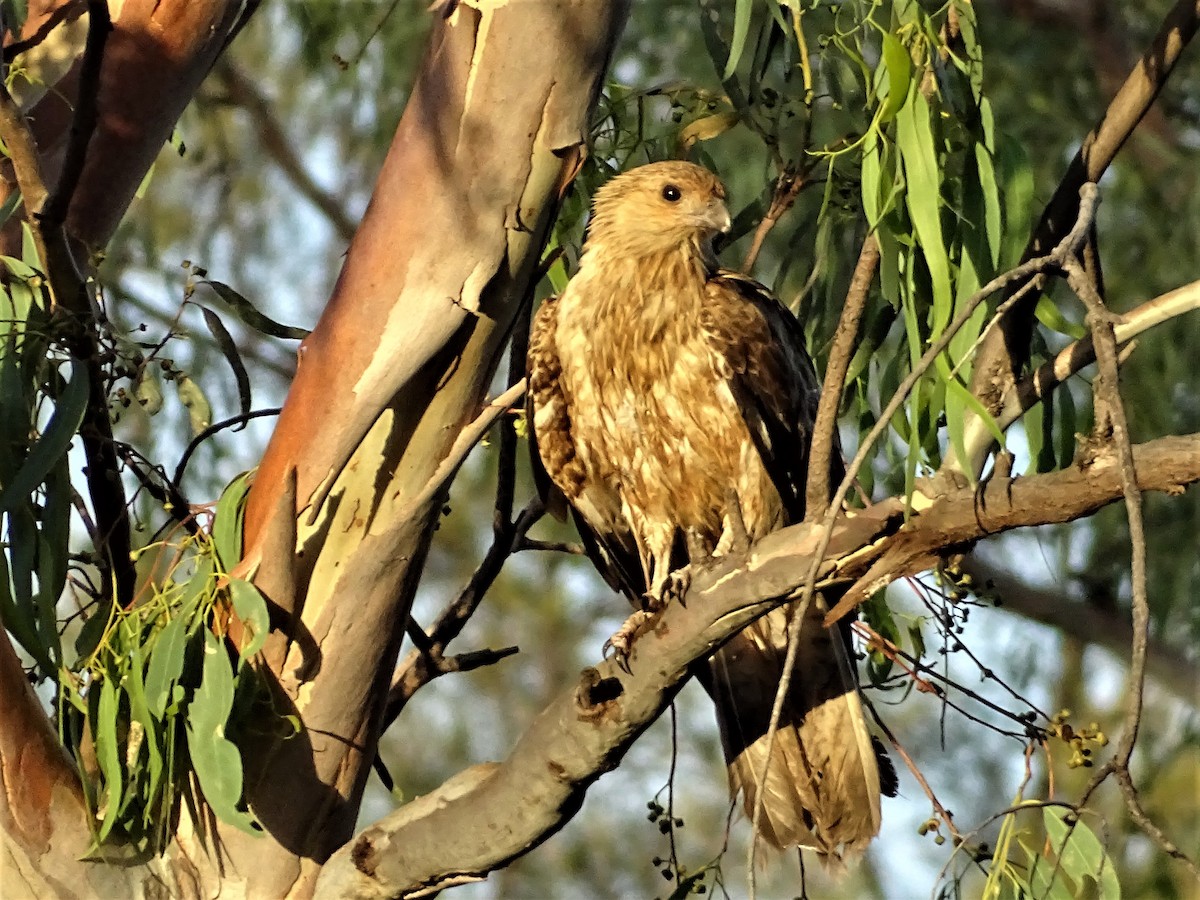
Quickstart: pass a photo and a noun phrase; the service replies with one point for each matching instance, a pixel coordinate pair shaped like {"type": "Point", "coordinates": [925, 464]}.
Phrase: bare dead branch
{"type": "Point", "coordinates": [464, 444]}
{"type": "Point", "coordinates": [1082, 353]}
{"type": "Point", "coordinates": [1134, 804]}
{"type": "Point", "coordinates": [942, 813]}
{"type": "Point", "coordinates": [497, 812]}
{"type": "Point", "coordinates": [420, 666]}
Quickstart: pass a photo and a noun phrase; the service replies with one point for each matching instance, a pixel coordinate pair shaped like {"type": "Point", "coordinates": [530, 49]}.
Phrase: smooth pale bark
{"type": "Point", "coordinates": [342, 509]}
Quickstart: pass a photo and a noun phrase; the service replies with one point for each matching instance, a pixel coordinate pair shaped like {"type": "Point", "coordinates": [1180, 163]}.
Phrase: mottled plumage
{"type": "Point", "coordinates": [660, 388]}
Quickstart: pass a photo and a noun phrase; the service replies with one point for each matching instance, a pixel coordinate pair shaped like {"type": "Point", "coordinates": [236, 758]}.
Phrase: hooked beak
{"type": "Point", "coordinates": [716, 217]}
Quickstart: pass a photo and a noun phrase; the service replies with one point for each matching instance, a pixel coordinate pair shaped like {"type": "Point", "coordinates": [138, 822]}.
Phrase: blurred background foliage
{"type": "Point", "coordinates": [273, 164]}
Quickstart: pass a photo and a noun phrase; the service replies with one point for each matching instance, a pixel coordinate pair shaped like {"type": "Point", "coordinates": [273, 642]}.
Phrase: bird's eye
{"type": "Point", "coordinates": [671, 193]}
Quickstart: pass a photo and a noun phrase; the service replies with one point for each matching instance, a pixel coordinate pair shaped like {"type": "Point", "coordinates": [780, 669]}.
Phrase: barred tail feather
{"type": "Point", "coordinates": [822, 785]}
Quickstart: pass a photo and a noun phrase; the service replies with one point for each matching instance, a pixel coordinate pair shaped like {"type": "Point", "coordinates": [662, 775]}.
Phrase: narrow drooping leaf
{"type": "Point", "coordinates": [914, 136]}
{"type": "Point", "coordinates": [53, 444]}
{"type": "Point", "coordinates": [229, 350]}
{"type": "Point", "coordinates": [250, 314]}
{"type": "Point", "coordinates": [741, 30]}
{"type": "Point", "coordinates": [108, 755]}
{"type": "Point", "coordinates": [227, 524]}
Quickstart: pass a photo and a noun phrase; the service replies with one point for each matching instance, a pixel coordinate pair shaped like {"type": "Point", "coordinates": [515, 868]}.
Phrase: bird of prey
{"type": "Point", "coordinates": [672, 404]}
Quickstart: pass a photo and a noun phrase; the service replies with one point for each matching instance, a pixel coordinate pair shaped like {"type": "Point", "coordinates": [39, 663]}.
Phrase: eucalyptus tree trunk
{"type": "Point", "coordinates": [344, 503]}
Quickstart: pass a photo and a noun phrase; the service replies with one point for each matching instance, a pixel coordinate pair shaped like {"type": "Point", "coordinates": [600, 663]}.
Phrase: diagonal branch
{"type": "Point", "coordinates": [821, 454]}
{"type": "Point", "coordinates": [1007, 350]}
{"type": "Point", "coordinates": [274, 139]}
{"type": "Point", "coordinates": [495, 812]}
{"type": "Point", "coordinates": [1082, 353]}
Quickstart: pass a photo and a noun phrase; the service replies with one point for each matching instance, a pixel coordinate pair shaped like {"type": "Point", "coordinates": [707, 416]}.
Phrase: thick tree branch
{"type": "Point", "coordinates": [1003, 355]}
{"type": "Point", "coordinates": [493, 813]}
{"type": "Point", "coordinates": [343, 506]}
{"type": "Point", "coordinates": [1091, 623]}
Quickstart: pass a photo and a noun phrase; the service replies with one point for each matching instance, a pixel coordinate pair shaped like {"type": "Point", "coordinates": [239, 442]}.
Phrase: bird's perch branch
{"type": "Point", "coordinates": [500, 811]}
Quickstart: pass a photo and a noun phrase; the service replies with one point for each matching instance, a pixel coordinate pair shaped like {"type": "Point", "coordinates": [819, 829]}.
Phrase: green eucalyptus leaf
{"type": "Point", "coordinates": [898, 65]}
{"type": "Point", "coordinates": [215, 758]}
{"type": "Point", "coordinates": [1080, 854]}
{"type": "Point", "coordinates": [227, 524]}
{"type": "Point", "coordinates": [166, 665]}
{"type": "Point", "coordinates": [251, 316]}
{"type": "Point", "coordinates": [52, 445]}
{"type": "Point", "coordinates": [229, 350]}
{"type": "Point", "coordinates": [108, 754]}
{"type": "Point", "coordinates": [251, 608]}
{"type": "Point", "coordinates": [914, 135]}
{"type": "Point", "coordinates": [741, 30]}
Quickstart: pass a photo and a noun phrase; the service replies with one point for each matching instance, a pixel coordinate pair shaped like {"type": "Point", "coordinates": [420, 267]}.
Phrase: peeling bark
{"type": "Point", "coordinates": [398, 363]}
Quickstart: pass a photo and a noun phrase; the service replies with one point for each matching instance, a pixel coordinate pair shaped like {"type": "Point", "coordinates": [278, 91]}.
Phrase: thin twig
{"type": "Point", "coordinates": [1134, 805]}
{"type": "Point", "coordinates": [571, 548]}
{"type": "Point", "coordinates": [944, 814]}
{"type": "Point", "coordinates": [914, 668]}
{"type": "Point", "coordinates": [212, 429]}
{"type": "Point", "coordinates": [788, 186]}
{"type": "Point", "coordinates": [163, 490]}
{"type": "Point", "coordinates": [68, 12]}
{"type": "Point", "coordinates": [464, 444]}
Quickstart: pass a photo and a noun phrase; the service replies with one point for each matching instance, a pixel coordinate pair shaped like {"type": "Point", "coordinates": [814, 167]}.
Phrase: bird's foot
{"type": "Point", "coordinates": [676, 587]}
{"type": "Point", "coordinates": [621, 643]}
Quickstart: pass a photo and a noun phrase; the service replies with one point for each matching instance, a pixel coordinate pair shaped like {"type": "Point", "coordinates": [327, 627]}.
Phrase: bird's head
{"type": "Point", "coordinates": [659, 208]}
